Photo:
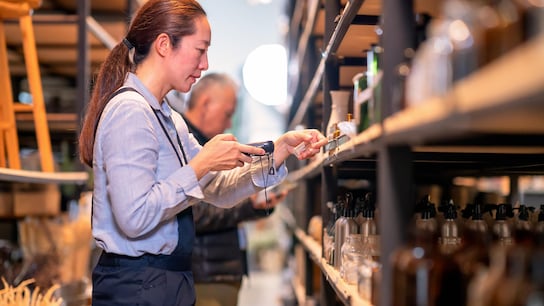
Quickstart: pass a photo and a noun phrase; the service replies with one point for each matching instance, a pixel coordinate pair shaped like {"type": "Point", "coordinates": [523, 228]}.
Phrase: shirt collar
{"type": "Point", "coordinates": [134, 82]}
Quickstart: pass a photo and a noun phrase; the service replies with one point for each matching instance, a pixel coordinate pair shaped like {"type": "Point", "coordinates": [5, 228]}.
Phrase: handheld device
{"type": "Point", "coordinates": [268, 147]}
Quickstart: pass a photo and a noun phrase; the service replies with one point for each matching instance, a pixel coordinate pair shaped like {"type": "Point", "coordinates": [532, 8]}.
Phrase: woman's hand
{"type": "Point", "coordinates": [310, 141]}
{"type": "Point", "coordinates": [222, 152]}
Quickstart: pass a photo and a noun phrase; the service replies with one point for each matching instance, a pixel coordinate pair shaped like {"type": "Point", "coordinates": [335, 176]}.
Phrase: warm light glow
{"type": "Point", "coordinates": [265, 74]}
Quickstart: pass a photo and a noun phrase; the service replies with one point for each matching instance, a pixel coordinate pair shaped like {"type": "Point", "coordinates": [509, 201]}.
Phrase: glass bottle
{"type": "Point", "coordinates": [502, 229]}
{"type": "Point", "coordinates": [467, 35]}
{"type": "Point", "coordinates": [374, 76]}
{"type": "Point", "coordinates": [483, 284]}
{"type": "Point", "coordinates": [420, 273]}
{"type": "Point", "coordinates": [450, 238]}
{"type": "Point", "coordinates": [352, 257]}
{"type": "Point", "coordinates": [512, 287]}
{"type": "Point", "coordinates": [472, 257]}
{"type": "Point", "coordinates": [369, 231]}
{"type": "Point", "coordinates": [344, 226]}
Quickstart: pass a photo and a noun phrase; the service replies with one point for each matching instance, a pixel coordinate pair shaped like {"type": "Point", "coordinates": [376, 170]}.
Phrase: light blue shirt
{"type": "Point", "coordinates": [139, 184]}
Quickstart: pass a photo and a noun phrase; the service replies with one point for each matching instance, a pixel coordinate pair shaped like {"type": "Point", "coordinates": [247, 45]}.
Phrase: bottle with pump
{"type": "Point", "coordinates": [502, 229]}
{"type": "Point", "coordinates": [482, 286]}
{"type": "Point", "coordinates": [421, 274]}
{"type": "Point", "coordinates": [449, 238]}
{"type": "Point", "coordinates": [472, 257]}
{"type": "Point", "coordinates": [368, 224]}
{"type": "Point", "coordinates": [369, 232]}
{"type": "Point", "coordinates": [344, 226]}
{"type": "Point", "coordinates": [522, 222]}
{"type": "Point", "coordinates": [516, 277]}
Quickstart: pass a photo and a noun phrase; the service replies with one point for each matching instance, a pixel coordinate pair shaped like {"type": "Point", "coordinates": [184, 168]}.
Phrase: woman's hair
{"type": "Point", "coordinates": [172, 17]}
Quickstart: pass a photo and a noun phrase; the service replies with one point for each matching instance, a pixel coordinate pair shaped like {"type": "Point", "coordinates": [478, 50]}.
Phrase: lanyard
{"type": "Point", "coordinates": [184, 162]}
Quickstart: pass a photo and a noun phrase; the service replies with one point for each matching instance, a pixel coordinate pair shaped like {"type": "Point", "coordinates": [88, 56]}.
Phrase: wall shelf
{"type": "Point", "coordinates": [489, 124]}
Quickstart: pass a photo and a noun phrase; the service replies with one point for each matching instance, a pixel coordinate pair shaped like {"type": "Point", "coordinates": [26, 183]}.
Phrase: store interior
{"type": "Point", "coordinates": [433, 113]}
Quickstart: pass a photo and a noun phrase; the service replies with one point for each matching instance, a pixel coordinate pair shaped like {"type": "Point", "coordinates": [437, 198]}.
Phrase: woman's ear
{"type": "Point", "coordinates": [162, 44]}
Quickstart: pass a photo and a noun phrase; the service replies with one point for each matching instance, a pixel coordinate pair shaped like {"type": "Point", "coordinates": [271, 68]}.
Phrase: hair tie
{"type": "Point", "coordinates": [131, 50]}
{"type": "Point", "coordinates": [127, 43]}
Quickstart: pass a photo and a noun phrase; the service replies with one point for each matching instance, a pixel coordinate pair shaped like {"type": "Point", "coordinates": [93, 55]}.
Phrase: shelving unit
{"type": "Point", "coordinates": [72, 40]}
{"type": "Point", "coordinates": [489, 124]}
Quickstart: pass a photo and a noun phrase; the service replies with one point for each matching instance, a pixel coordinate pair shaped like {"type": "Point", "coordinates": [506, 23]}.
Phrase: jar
{"type": "Point", "coordinates": [352, 258]}
{"type": "Point", "coordinates": [368, 278]}
{"type": "Point", "coordinates": [340, 100]}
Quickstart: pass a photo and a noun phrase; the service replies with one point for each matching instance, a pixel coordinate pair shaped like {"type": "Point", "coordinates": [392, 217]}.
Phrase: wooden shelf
{"type": "Point", "coordinates": [57, 122]}
{"type": "Point", "coordinates": [39, 177]}
{"type": "Point", "coordinates": [504, 97]}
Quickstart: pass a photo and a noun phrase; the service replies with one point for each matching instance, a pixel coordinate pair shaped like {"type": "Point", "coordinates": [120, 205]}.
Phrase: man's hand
{"type": "Point", "coordinates": [259, 202]}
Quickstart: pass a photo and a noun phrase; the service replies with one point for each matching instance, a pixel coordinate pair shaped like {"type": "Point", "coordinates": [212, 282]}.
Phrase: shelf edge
{"type": "Point", "coordinates": [27, 176]}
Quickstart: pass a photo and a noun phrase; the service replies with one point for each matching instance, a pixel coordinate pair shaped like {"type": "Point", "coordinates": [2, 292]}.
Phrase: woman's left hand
{"type": "Point", "coordinates": [310, 140]}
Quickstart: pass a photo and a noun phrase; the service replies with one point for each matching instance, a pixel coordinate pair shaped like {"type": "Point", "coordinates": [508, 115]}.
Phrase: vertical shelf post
{"type": "Point", "coordinates": [395, 197]}
{"type": "Point", "coordinates": [395, 171]}
{"type": "Point", "coordinates": [83, 62]}
{"type": "Point", "coordinates": [398, 25]}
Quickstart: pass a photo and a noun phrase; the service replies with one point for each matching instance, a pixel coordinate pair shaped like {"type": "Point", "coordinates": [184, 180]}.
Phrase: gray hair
{"type": "Point", "coordinates": [205, 83]}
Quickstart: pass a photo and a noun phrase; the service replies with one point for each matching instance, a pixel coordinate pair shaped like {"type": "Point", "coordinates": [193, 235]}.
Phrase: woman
{"type": "Point", "coordinates": [149, 171]}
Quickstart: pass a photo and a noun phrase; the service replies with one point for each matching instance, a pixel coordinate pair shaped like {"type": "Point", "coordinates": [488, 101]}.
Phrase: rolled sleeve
{"type": "Point", "coordinates": [187, 183]}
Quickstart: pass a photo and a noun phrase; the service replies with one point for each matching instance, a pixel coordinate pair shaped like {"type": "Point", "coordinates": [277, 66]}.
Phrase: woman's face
{"type": "Point", "coordinates": [191, 56]}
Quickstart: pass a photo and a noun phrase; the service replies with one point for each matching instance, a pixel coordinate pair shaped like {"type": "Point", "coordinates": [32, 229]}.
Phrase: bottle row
{"type": "Point", "coordinates": [453, 255]}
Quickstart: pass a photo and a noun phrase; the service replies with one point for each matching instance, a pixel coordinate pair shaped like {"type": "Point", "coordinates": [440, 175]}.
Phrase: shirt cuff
{"type": "Point", "coordinates": [187, 183]}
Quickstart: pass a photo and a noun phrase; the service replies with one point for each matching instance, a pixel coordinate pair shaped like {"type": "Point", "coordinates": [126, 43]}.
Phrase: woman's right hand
{"type": "Point", "coordinates": [222, 152]}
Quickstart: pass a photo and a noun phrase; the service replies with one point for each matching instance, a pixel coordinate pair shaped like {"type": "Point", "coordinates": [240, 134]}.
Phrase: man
{"type": "Point", "coordinates": [219, 259]}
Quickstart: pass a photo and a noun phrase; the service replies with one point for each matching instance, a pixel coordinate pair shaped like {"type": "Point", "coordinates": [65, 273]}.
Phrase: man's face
{"type": "Point", "coordinates": [220, 109]}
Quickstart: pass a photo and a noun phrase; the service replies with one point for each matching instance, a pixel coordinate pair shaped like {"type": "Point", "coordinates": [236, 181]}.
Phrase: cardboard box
{"type": "Point", "coordinates": [36, 199]}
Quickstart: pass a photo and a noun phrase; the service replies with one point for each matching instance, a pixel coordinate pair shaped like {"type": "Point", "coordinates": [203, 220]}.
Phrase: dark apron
{"type": "Point", "coordinates": [148, 279]}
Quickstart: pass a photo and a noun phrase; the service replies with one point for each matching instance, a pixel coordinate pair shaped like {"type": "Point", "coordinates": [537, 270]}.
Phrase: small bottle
{"type": "Point", "coordinates": [483, 284]}
{"type": "Point", "coordinates": [369, 231]}
{"type": "Point", "coordinates": [472, 257]}
{"type": "Point", "coordinates": [450, 239]}
{"type": "Point", "coordinates": [516, 277]}
{"type": "Point", "coordinates": [522, 222]}
{"type": "Point", "coordinates": [502, 230]}
{"type": "Point", "coordinates": [419, 270]}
